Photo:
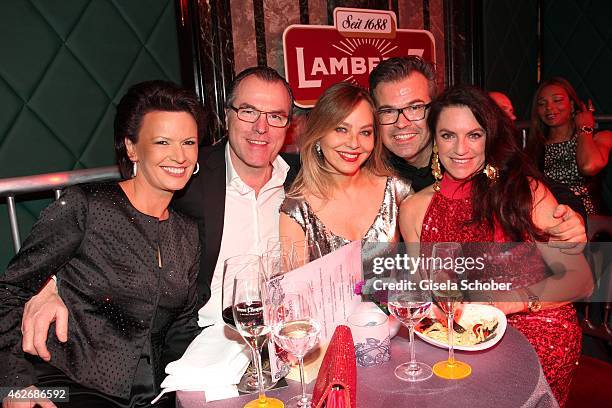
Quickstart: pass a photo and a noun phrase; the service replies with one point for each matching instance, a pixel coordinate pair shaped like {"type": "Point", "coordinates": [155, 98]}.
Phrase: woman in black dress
{"type": "Point", "coordinates": [125, 264]}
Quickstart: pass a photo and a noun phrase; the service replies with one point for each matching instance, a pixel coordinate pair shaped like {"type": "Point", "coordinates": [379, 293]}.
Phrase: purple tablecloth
{"type": "Point", "coordinates": [506, 375]}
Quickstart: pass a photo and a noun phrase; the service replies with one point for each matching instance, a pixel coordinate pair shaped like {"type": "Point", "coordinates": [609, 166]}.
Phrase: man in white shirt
{"type": "Point", "coordinates": [235, 198]}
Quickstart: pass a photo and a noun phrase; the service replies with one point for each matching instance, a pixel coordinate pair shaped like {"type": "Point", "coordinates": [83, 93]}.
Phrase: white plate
{"type": "Point", "coordinates": [472, 313]}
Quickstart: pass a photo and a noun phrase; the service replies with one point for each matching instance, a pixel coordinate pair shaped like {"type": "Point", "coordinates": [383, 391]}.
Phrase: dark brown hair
{"type": "Point", "coordinates": [538, 131]}
{"type": "Point", "coordinates": [397, 68]}
{"type": "Point", "coordinates": [146, 97]}
{"type": "Point", "coordinates": [265, 74]}
{"type": "Point", "coordinates": [509, 200]}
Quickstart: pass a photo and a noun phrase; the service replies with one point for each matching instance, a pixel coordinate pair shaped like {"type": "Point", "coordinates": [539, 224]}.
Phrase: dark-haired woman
{"type": "Point", "coordinates": [563, 141]}
{"type": "Point", "coordinates": [487, 191]}
{"type": "Point", "coordinates": [125, 264]}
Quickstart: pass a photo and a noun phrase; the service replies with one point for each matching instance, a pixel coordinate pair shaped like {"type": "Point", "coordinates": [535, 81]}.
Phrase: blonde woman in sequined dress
{"type": "Point", "coordinates": [344, 191]}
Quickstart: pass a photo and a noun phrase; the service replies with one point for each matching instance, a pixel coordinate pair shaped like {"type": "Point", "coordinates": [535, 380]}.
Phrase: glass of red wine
{"type": "Point", "coordinates": [248, 299]}
{"type": "Point", "coordinates": [231, 267]}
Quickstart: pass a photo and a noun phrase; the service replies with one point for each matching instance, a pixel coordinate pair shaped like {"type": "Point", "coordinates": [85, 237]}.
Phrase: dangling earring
{"type": "Point", "coordinates": [134, 169]}
{"type": "Point", "coordinates": [491, 172]}
{"type": "Point", "coordinates": [435, 168]}
{"type": "Point", "coordinates": [318, 149]}
{"type": "Point", "coordinates": [197, 169]}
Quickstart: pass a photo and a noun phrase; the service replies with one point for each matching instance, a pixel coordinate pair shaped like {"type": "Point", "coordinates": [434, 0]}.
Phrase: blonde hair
{"type": "Point", "coordinates": [334, 105]}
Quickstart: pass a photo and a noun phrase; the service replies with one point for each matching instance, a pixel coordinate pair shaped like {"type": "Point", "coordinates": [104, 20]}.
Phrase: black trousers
{"type": "Point", "coordinates": [143, 391]}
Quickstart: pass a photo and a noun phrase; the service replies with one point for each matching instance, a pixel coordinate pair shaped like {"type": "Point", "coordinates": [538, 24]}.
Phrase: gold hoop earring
{"type": "Point", "coordinates": [491, 172]}
{"type": "Point", "coordinates": [435, 168]}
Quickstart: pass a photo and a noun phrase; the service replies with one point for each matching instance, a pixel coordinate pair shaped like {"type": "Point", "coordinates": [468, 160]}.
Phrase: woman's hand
{"type": "Point", "coordinates": [584, 117]}
{"type": "Point", "coordinates": [28, 403]}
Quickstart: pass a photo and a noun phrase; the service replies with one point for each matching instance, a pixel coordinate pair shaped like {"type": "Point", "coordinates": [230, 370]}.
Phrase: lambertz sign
{"type": "Point", "coordinates": [317, 56]}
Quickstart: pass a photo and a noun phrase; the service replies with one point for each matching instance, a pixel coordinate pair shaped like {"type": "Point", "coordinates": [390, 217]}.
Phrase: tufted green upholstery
{"type": "Point", "coordinates": [577, 45]}
{"type": "Point", "coordinates": [64, 64]}
{"type": "Point", "coordinates": [510, 49]}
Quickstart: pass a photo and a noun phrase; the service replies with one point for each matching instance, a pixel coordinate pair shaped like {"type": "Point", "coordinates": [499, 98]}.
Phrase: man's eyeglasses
{"type": "Point", "coordinates": [274, 119]}
{"type": "Point", "coordinates": [389, 116]}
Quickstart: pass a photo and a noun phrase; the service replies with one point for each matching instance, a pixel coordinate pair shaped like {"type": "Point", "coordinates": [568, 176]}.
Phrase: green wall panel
{"type": "Point", "coordinates": [64, 66]}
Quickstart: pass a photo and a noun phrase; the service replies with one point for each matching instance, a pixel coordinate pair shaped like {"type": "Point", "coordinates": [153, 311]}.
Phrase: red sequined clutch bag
{"type": "Point", "coordinates": [335, 386]}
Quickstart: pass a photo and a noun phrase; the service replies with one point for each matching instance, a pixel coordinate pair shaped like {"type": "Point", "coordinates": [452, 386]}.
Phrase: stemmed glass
{"type": "Point", "coordinates": [448, 295]}
{"type": "Point", "coordinates": [231, 267]}
{"type": "Point", "coordinates": [296, 327]}
{"type": "Point", "coordinates": [276, 262]}
{"type": "Point", "coordinates": [303, 252]}
{"type": "Point", "coordinates": [248, 300]}
{"type": "Point", "coordinates": [410, 307]}
{"type": "Point", "coordinates": [283, 243]}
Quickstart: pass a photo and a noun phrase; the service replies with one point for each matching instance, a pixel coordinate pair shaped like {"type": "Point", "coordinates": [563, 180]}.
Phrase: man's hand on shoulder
{"type": "Point", "coordinates": [39, 312]}
{"type": "Point", "coordinates": [570, 233]}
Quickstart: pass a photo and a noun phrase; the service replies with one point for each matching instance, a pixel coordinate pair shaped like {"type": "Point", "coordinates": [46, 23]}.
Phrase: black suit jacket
{"type": "Point", "coordinates": [204, 199]}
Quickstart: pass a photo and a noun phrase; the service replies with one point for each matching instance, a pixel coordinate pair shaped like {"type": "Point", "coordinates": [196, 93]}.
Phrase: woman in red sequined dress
{"type": "Point", "coordinates": [487, 191]}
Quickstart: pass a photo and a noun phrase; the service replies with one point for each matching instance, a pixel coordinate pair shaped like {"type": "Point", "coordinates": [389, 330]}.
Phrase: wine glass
{"type": "Point", "coordinates": [276, 262]}
{"type": "Point", "coordinates": [283, 243]}
{"type": "Point", "coordinates": [448, 295]}
{"type": "Point", "coordinates": [410, 307]}
{"type": "Point", "coordinates": [295, 328]}
{"type": "Point", "coordinates": [231, 267]}
{"type": "Point", "coordinates": [250, 319]}
{"type": "Point", "coordinates": [303, 252]}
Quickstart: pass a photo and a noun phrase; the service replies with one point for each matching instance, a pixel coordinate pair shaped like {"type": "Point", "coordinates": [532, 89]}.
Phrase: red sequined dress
{"type": "Point", "coordinates": [554, 333]}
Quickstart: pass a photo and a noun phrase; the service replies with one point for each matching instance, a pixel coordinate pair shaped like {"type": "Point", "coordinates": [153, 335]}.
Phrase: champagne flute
{"type": "Point", "coordinates": [250, 319]}
{"type": "Point", "coordinates": [448, 295]}
{"type": "Point", "coordinates": [296, 328]}
{"type": "Point", "coordinates": [410, 307]}
{"type": "Point", "coordinates": [231, 267]}
{"type": "Point", "coordinates": [303, 252]}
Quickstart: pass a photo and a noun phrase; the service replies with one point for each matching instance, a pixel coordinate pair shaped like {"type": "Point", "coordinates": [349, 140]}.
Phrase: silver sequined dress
{"type": "Point", "coordinates": [385, 227]}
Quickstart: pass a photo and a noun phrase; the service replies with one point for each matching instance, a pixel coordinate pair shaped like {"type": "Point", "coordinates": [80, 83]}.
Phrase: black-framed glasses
{"type": "Point", "coordinates": [389, 116]}
{"type": "Point", "coordinates": [274, 119]}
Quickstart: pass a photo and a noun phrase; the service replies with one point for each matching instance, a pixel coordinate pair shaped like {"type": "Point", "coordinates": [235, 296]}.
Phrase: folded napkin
{"type": "Point", "coordinates": [214, 362]}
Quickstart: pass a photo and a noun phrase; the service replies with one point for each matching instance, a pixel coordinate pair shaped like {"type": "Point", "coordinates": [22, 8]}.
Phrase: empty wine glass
{"type": "Point", "coordinates": [295, 327]}
{"type": "Point", "coordinates": [283, 243]}
{"type": "Point", "coordinates": [410, 307]}
{"type": "Point", "coordinates": [251, 322]}
{"type": "Point", "coordinates": [231, 267]}
{"type": "Point", "coordinates": [276, 262]}
{"type": "Point", "coordinates": [303, 252]}
{"type": "Point", "coordinates": [447, 293]}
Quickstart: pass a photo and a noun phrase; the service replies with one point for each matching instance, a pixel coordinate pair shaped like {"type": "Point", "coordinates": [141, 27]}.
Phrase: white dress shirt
{"type": "Point", "coordinates": [248, 224]}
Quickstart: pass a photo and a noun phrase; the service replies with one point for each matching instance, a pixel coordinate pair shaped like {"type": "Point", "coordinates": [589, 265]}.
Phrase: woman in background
{"type": "Point", "coordinates": [125, 264]}
{"type": "Point", "coordinates": [563, 141]}
{"type": "Point", "coordinates": [488, 191]}
{"type": "Point", "coordinates": [344, 191]}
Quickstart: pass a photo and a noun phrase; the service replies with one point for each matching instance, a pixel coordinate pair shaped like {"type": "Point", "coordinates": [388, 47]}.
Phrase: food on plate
{"type": "Point", "coordinates": [476, 332]}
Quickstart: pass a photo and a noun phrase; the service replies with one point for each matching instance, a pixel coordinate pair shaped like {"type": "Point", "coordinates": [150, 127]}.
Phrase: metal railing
{"type": "Point", "coordinates": [523, 125]}
{"type": "Point", "coordinates": [15, 186]}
